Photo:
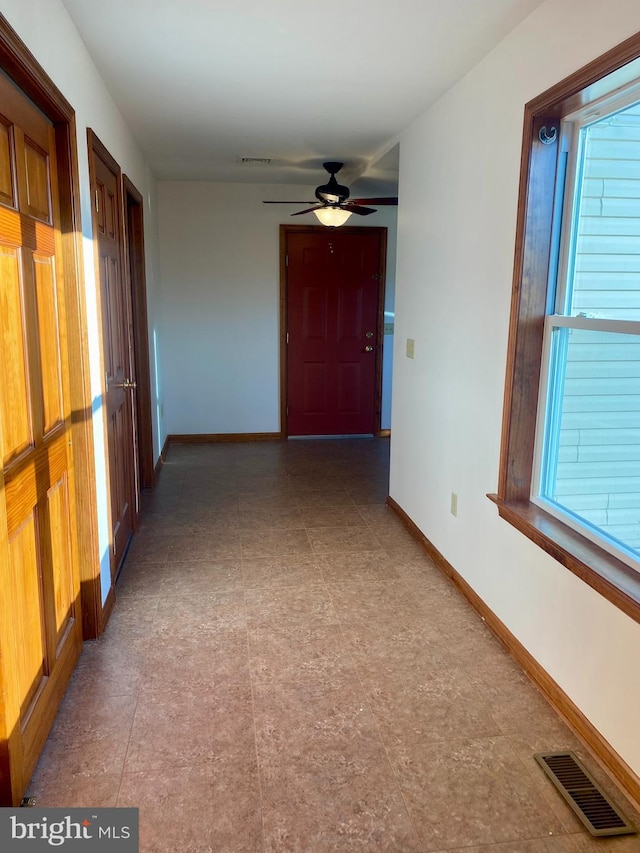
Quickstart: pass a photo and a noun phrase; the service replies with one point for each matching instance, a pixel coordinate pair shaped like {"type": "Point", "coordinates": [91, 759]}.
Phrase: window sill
{"type": "Point", "coordinates": [610, 577]}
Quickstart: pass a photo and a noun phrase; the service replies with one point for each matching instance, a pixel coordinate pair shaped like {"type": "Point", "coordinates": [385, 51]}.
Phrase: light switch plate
{"type": "Point", "coordinates": [411, 348]}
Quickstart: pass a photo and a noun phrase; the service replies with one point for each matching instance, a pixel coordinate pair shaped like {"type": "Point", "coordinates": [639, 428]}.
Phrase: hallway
{"type": "Point", "coordinates": [286, 670]}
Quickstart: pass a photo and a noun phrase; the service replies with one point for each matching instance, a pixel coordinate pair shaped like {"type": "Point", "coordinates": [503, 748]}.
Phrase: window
{"type": "Point", "coordinates": [587, 465]}
{"type": "Point", "coordinates": [570, 465]}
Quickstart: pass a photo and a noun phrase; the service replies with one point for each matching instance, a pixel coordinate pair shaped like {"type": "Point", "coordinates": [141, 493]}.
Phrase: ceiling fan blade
{"type": "Point", "coordinates": [359, 209]}
{"type": "Point", "coordinates": [288, 202]}
{"type": "Point", "coordinates": [308, 210]}
{"type": "Point", "coordinates": [390, 200]}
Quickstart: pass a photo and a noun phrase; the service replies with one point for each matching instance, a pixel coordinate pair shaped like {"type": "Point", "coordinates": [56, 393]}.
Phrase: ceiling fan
{"type": "Point", "coordinates": [334, 206]}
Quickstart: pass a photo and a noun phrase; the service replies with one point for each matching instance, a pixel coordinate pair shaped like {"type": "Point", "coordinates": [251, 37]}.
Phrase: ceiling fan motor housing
{"type": "Point", "coordinates": [332, 188]}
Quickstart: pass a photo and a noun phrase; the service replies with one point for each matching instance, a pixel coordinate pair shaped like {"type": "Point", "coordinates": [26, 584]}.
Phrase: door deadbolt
{"type": "Point", "coordinates": [368, 348]}
{"type": "Point", "coordinates": [369, 335]}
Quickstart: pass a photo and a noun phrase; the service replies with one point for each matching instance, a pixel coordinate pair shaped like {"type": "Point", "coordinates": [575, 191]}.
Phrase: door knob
{"type": "Point", "coordinates": [368, 348]}
{"type": "Point", "coordinates": [127, 384]}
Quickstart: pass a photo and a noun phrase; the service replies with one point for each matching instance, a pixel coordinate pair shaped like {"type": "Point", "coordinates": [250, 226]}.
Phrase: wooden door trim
{"type": "Point", "coordinates": [136, 274]}
{"type": "Point", "coordinates": [17, 61]}
{"type": "Point", "coordinates": [285, 230]}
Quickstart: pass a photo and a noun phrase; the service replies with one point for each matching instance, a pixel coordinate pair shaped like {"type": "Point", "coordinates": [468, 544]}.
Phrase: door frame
{"type": "Point", "coordinates": [137, 282]}
{"type": "Point", "coordinates": [17, 61]}
{"type": "Point", "coordinates": [285, 231]}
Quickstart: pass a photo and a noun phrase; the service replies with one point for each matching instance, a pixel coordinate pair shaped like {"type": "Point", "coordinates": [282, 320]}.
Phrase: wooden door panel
{"type": "Point", "coordinates": [350, 314]}
{"type": "Point", "coordinates": [26, 595]}
{"type": "Point", "coordinates": [58, 556]}
{"type": "Point", "coordinates": [348, 384]}
{"type": "Point", "coordinates": [49, 341]}
{"type": "Point", "coordinates": [107, 346]}
{"type": "Point", "coordinates": [315, 388]}
{"type": "Point", "coordinates": [7, 190]}
{"type": "Point", "coordinates": [111, 215]}
{"type": "Point", "coordinates": [314, 313]}
{"type": "Point", "coordinates": [38, 181]}
{"type": "Point", "coordinates": [117, 320]}
{"type": "Point", "coordinates": [15, 414]}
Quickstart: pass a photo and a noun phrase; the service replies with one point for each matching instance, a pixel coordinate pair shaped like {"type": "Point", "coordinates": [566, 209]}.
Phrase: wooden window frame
{"type": "Point", "coordinates": [612, 578]}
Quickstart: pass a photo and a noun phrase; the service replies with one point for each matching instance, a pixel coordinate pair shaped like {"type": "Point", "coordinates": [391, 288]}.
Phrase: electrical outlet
{"type": "Point", "coordinates": [411, 348]}
{"type": "Point", "coordinates": [454, 504]}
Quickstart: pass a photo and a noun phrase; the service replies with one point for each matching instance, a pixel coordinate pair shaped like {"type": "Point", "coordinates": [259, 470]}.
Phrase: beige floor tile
{"type": "Point", "coordinates": [269, 517]}
{"type": "Point", "coordinates": [199, 808]}
{"type": "Point", "coordinates": [341, 540]}
{"type": "Point", "coordinates": [201, 577]}
{"type": "Point", "coordinates": [300, 654]}
{"type": "Point", "coordinates": [441, 705]}
{"type": "Point", "coordinates": [195, 661]}
{"type": "Point", "coordinates": [339, 804]}
{"type": "Point", "coordinates": [112, 666]}
{"type": "Point", "coordinates": [191, 547]}
{"type": "Point", "coordinates": [322, 498]}
{"type": "Point", "coordinates": [148, 547]}
{"type": "Point", "coordinates": [516, 704]}
{"type": "Point", "coordinates": [331, 516]}
{"type": "Point", "coordinates": [64, 790]}
{"type": "Point", "coordinates": [268, 572]}
{"type": "Point", "coordinates": [189, 728]}
{"type": "Point", "coordinates": [297, 605]}
{"type": "Point", "coordinates": [356, 567]}
{"type": "Point", "coordinates": [199, 614]}
{"type": "Point", "coordinates": [272, 543]}
{"type": "Point", "coordinates": [473, 792]}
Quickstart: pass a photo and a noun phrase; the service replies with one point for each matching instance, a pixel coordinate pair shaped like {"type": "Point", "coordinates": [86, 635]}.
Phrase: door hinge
{"type": "Point", "coordinates": [286, 260]}
{"type": "Point", "coordinates": [97, 201]}
{"type": "Point", "coordinates": [287, 411]}
{"type": "Point", "coordinates": [287, 337]}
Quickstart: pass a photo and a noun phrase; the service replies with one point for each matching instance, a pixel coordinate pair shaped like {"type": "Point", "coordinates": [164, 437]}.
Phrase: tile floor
{"type": "Point", "coordinates": [285, 670]}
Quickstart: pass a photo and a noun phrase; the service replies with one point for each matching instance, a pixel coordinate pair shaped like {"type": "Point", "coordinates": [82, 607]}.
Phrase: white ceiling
{"type": "Point", "coordinates": [203, 83]}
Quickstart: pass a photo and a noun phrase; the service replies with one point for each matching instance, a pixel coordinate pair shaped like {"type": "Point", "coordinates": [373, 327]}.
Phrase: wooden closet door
{"type": "Point", "coordinates": [117, 346]}
{"type": "Point", "coordinates": [40, 632]}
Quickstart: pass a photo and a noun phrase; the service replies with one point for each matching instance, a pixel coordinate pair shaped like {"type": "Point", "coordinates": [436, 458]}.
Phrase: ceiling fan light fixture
{"type": "Point", "coordinates": [332, 216]}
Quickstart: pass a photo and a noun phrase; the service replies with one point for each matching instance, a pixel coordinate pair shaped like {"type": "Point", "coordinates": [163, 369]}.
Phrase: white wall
{"type": "Point", "coordinates": [48, 32]}
{"type": "Point", "coordinates": [220, 292]}
{"type": "Point", "coordinates": [459, 168]}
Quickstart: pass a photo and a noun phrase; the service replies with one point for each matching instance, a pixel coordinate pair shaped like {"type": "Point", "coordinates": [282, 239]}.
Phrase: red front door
{"type": "Point", "coordinates": [334, 286]}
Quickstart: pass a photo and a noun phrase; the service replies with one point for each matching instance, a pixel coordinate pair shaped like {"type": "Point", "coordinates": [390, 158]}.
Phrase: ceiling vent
{"type": "Point", "coordinates": [264, 161]}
